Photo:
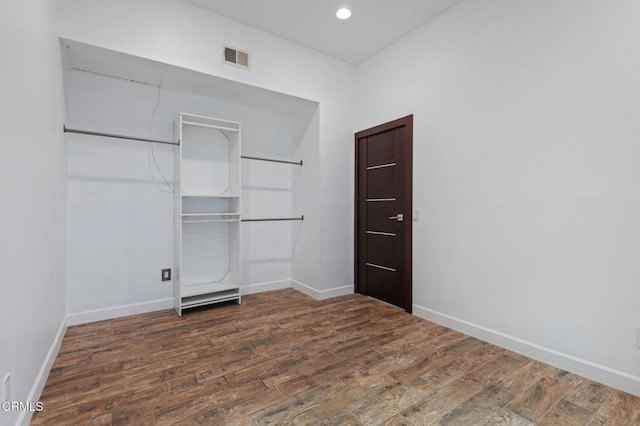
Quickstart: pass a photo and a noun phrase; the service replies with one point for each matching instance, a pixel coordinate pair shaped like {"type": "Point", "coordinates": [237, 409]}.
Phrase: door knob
{"type": "Point", "coordinates": [399, 217]}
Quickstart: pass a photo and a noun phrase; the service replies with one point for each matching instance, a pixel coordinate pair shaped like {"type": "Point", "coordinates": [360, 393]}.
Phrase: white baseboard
{"type": "Point", "coordinates": [43, 374]}
{"type": "Point", "coordinates": [303, 288]}
{"type": "Point", "coordinates": [336, 292]}
{"type": "Point", "coordinates": [118, 311]}
{"type": "Point", "coordinates": [262, 287]}
{"type": "Point", "coordinates": [599, 373]}
{"type": "Point", "coordinates": [321, 294]}
{"type": "Point", "coordinates": [158, 305]}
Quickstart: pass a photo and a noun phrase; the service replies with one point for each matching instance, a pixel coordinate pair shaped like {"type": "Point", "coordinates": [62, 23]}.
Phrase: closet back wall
{"type": "Point", "coordinates": [120, 209]}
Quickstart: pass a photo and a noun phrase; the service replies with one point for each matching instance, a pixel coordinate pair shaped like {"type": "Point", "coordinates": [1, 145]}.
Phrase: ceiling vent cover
{"type": "Point", "coordinates": [236, 57]}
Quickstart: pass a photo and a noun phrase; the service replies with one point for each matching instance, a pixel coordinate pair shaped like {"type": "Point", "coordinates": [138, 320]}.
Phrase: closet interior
{"type": "Point", "coordinates": [171, 168]}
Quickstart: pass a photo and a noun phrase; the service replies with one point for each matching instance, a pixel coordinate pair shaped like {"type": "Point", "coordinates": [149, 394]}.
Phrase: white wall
{"type": "Point", "coordinates": [180, 34]}
{"type": "Point", "coordinates": [120, 210]}
{"type": "Point", "coordinates": [305, 237]}
{"type": "Point", "coordinates": [526, 172]}
{"type": "Point", "coordinates": [32, 217]}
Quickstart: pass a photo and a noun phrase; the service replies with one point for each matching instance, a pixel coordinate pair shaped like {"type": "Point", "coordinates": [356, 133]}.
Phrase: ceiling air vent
{"type": "Point", "coordinates": [236, 57]}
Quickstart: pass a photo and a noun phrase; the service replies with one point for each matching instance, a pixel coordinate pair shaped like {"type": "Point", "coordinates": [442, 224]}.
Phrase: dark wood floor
{"type": "Point", "coordinates": [284, 358]}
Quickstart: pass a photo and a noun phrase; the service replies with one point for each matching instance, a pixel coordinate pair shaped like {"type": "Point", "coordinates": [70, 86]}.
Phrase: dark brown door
{"type": "Point", "coordinates": [384, 212]}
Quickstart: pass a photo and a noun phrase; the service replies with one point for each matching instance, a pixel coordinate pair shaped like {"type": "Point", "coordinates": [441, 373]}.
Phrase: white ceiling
{"type": "Point", "coordinates": [374, 24]}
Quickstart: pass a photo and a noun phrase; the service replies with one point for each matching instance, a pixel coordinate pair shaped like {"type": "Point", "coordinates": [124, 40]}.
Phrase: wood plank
{"type": "Point", "coordinates": [440, 403]}
{"type": "Point", "coordinates": [345, 420]}
{"type": "Point", "coordinates": [249, 404]}
{"type": "Point", "coordinates": [619, 408]}
{"type": "Point", "coordinates": [397, 420]}
{"type": "Point", "coordinates": [461, 366]}
{"type": "Point", "coordinates": [506, 418]}
{"type": "Point", "coordinates": [566, 413]}
{"type": "Point", "coordinates": [589, 395]}
{"type": "Point", "coordinates": [474, 410]}
{"type": "Point", "coordinates": [422, 366]}
{"type": "Point", "coordinates": [539, 398]}
{"type": "Point", "coordinates": [350, 399]}
{"type": "Point", "coordinates": [387, 404]}
{"type": "Point", "coordinates": [520, 379]}
{"type": "Point", "coordinates": [279, 412]}
{"type": "Point", "coordinates": [493, 370]}
{"type": "Point", "coordinates": [307, 418]}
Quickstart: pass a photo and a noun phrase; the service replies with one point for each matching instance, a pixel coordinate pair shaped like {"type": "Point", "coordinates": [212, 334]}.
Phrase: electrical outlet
{"type": "Point", "coordinates": [166, 274]}
{"type": "Point", "coordinates": [6, 387]}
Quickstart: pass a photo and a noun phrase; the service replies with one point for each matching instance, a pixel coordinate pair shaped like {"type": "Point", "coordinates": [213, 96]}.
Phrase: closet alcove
{"type": "Point", "coordinates": [121, 191]}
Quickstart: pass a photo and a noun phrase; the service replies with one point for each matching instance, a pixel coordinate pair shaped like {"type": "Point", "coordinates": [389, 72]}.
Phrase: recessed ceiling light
{"type": "Point", "coordinates": [343, 13]}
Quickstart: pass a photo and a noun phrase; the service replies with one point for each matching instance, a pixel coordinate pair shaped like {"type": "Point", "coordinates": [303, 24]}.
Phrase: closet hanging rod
{"type": "Point", "coordinates": [134, 138]}
{"type": "Point", "coordinates": [297, 163]}
{"type": "Point", "coordinates": [113, 135]}
{"type": "Point", "coordinates": [274, 219]}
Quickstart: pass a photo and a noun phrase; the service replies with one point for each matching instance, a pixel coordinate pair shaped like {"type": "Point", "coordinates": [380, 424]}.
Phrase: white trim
{"type": "Point", "coordinates": [303, 288]}
{"type": "Point", "coordinates": [336, 292]}
{"type": "Point", "coordinates": [321, 294]}
{"type": "Point", "coordinates": [266, 286]}
{"type": "Point", "coordinates": [43, 374]}
{"type": "Point", "coordinates": [118, 311]}
{"type": "Point", "coordinates": [591, 370]}
{"type": "Point", "coordinates": [158, 305]}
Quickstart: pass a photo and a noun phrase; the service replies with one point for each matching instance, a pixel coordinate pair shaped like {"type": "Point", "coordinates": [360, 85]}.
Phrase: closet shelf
{"type": "Point", "coordinates": [206, 299]}
{"type": "Point", "coordinates": [211, 221]}
{"type": "Point", "coordinates": [210, 126]}
{"type": "Point", "coordinates": [213, 286]}
{"type": "Point", "coordinates": [207, 289]}
{"type": "Point", "coordinates": [209, 122]}
{"type": "Point", "coordinates": [209, 214]}
{"type": "Point", "coordinates": [210, 217]}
